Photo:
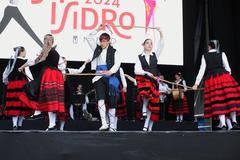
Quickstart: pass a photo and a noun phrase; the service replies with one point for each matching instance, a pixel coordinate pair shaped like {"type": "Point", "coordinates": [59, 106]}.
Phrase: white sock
{"type": "Point", "coordinates": [229, 124]}
{"type": "Point", "coordinates": [62, 124]}
{"type": "Point", "coordinates": [222, 120]}
{"type": "Point", "coordinates": [84, 107]}
{"type": "Point", "coordinates": [102, 112]}
{"type": "Point", "coordinates": [37, 113]}
{"type": "Point", "coordinates": [145, 105]}
{"type": "Point", "coordinates": [71, 112]}
{"type": "Point", "coordinates": [147, 120]}
{"type": "Point", "coordinates": [233, 117]}
{"type": "Point", "coordinates": [181, 117]}
{"type": "Point", "coordinates": [150, 125]}
{"type": "Point", "coordinates": [107, 119]}
{"type": "Point", "coordinates": [52, 119]}
{"type": "Point", "coordinates": [14, 120]}
{"type": "Point", "coordinates": [20, 121]}
{"type": "Point", "coordinates": [177, 117]}
{"type": "Point", "coordinates": [112, 117]}
{"type": "Point", "coordinates": [115, 124]}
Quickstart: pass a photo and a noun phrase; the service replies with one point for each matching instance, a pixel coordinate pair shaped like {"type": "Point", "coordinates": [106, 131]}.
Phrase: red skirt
{"type": "Point", "coordinates": [148, 90]}
{"type": "Point", "coordinates": [122, 106]}
{"type": "Point", "coordinates": [178, 106]}
{"type": "Point", "coordinates": [51, 94]}
{"type": "Point", "coordinates": [15, 107]}
{"type": "Point", "coordinates": [221, 95]}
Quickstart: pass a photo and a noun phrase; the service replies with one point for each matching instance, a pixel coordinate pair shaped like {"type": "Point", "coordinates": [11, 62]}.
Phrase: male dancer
{"type": "Point", "coordinates": [105, 61]}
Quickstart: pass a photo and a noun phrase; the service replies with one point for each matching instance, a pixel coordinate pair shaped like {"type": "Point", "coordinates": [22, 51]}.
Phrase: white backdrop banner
{"type": "Point", "coordinates": [25, 22]}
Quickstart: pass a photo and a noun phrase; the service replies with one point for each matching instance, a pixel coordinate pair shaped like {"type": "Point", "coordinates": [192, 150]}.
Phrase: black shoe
{"type": "Point", "coordinates": [15, 128]}
{"type": "Point", "coordinates": [19, 127]}
{"type": "Point", "coordinates": [235, 126]}
{"type": "Point", "coordinates": [37, 117]}
{"type": "Point", "coordinates": [54, 128]}
{"type": "Point", "coordinates": [223, 128]}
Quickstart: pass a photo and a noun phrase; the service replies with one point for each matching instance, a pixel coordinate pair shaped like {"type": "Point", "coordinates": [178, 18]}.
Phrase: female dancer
{"type": "Point", "coordinates": [145, 70]}
{"type": "Point", "coordinates": [221, 91]}
{"type": "Point", "coordinates": [15, 82]}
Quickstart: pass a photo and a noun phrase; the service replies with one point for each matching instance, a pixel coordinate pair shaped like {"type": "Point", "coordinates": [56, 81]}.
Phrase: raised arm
{"type": "Point", "coordinates": [91, 38]}
{"type": "Point", "coordinates": [44, 53]}
{"type": "Point", "coordinates": [159, 44]}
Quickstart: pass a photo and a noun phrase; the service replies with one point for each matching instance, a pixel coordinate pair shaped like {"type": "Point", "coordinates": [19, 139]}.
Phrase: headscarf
{"type": "Point", "coordinates": [214, 45]}
{"type": "Point", "coordinates": [9, 67]}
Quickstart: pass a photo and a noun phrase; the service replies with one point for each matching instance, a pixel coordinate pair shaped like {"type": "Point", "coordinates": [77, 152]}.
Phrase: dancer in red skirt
{"type": "Point", "coordinates": [15, 82]}
{"type": "Point", "coordinates": [145, 69]}
{"type": "Point", "coordinates": [179, 106]}
{"type": "Point", "coordinates": [51, 84]}
{"type": "Point", "coordinates": [221, 91]}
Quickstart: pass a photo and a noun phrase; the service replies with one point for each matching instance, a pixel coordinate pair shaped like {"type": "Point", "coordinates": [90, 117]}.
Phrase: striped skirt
{"type": "Point", "coordinates": [149, 90]}
{"type": "Point", "coordinates": [15, 107]}
{"type": "Point", "coordinates": [51, 97]}
{"type": "Point", "coordinates": [221, 95]}
{"type": "Point", "coordinates": [178, 106]}
{"type": "Point", "coordinates": [51, 93]}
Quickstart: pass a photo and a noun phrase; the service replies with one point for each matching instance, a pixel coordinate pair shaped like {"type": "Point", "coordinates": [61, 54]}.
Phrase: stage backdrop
{"type": "Point", "coordinates": [71, 20]}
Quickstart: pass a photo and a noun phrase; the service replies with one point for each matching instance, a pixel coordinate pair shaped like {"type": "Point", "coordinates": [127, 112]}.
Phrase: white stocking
{"type": "Point", "coordinates": [52, 119]}
{"type": "Point", "coordinates": [20, 121]}
{"type": "Point", "coordinates": [102, 112]}
{"type": "Point", "coordinates": [14, 120]}
{"type": "Point", "coordinates": [222, 120]}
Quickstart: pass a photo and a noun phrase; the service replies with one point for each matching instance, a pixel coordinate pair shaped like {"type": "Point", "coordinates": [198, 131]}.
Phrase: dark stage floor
{"type": "Point", "coordinates": [83, 125]}
{"type": "Point", "coordinates": [122, 145]}
{"type": "Point", "coordinates": [169, 141]}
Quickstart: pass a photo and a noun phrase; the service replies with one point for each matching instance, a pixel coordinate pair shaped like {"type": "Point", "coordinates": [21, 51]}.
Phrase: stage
{"type": "Point", "coordinates": [127, 145]}
{"type": "Point", "coordinates": [32, 142]}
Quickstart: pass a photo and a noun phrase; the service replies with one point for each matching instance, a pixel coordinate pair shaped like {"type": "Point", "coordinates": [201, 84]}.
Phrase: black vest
{"type": "Point", "coordinates": [179, 87]}
{"type": "Point", "coordinates": [52, 59]}
{"type": "Point", "coordinates": [152, 67]}
{"type": "Point", "coordinates": [15, 74]}
{"type": "Point", "coordinates": [214, 63]}
{"type": "Point", "coordinates": [110, 58]}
